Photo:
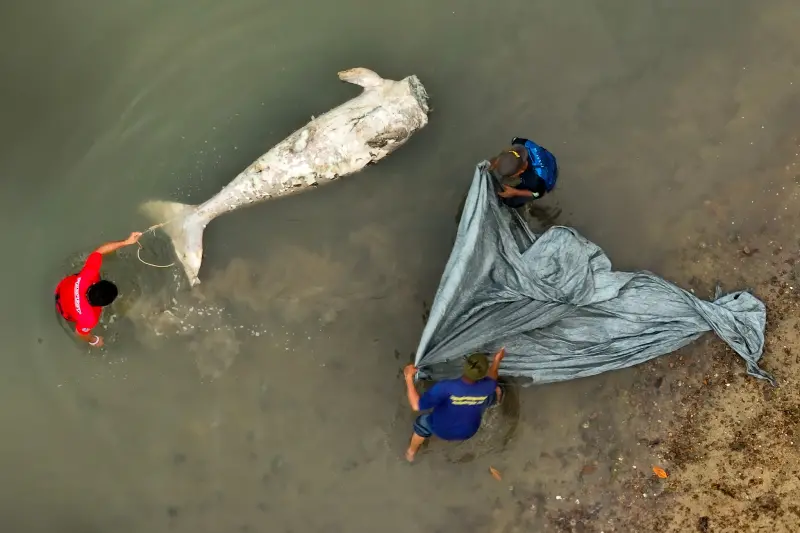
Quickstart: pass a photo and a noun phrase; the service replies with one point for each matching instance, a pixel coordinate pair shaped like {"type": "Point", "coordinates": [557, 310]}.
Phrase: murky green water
{"type": "Point", "coordinates": [269, 400]}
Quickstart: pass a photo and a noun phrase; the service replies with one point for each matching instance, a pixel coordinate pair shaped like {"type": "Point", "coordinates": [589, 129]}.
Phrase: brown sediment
{"type": "Point", "coordinates": [733, 445]}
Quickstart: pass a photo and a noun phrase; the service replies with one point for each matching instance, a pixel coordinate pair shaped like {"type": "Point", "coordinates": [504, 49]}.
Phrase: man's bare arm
{"type": "Point", "coordinates": [411, 390]}
{"type": "Point", "coordinates": [495, 368]}
{"type": "Point", "coordinates": [113, 246]}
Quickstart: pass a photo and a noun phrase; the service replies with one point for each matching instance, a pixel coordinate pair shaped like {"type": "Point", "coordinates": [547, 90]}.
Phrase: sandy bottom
{"type": "Point", "coordinates": [728, 442]}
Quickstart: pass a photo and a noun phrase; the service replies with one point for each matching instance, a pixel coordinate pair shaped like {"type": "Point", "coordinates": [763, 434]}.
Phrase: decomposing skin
{"type": "Point", "coordinates": [344, 140]}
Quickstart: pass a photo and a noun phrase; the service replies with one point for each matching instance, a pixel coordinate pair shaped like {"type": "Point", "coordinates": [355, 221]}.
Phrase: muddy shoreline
{"type": "Point", "coordinates": [578, 457]}
{"type": "Point", "coordinates": [729, 442]}
{"type": "Point", "coordinates": [732, 444]}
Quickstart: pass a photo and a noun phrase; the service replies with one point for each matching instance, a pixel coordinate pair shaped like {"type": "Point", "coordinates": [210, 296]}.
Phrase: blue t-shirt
{"type": "Point", "coordinates": [457, 406]}
{"type": "Point", "coordinates": [529, 179]}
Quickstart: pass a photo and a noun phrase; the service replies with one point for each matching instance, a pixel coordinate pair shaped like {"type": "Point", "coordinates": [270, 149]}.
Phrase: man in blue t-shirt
{"type": "Point", "coordinates": [456, 405]}
{"type": "Point", "coordinates": [526, 172]}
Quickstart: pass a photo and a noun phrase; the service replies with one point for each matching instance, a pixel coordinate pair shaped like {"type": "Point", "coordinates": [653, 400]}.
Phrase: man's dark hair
{"type": "Point", "coordinates": [510, 162]}
{"type": "Point", "coordinates": [102, 293]}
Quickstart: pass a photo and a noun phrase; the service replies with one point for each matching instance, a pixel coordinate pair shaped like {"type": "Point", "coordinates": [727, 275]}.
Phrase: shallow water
{"type": "Point", "coordinates": [270, 399]}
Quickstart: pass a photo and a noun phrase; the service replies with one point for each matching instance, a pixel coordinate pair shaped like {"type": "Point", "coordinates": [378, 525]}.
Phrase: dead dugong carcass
{"type": "Point", "coordinates": [342, 141]}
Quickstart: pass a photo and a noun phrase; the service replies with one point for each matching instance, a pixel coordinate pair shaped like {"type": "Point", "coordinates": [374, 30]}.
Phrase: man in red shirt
{"type": "Point", "coordinates": [80, 298]}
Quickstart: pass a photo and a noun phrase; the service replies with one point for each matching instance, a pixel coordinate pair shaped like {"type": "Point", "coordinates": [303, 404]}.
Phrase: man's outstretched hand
{"type": "Point", "coordinates": [499, 355]}
{"type": "Point", "coordinates": [409, 371]}
{"type": "Point", "coordinates": [133, 238]}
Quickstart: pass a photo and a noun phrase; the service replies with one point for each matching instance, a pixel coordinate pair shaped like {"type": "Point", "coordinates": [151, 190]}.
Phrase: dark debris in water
{"type": "Point", "coordinates": [426, 312]}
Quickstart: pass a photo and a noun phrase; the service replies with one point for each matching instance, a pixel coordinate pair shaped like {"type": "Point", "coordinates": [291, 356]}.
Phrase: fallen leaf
{"type": "Point", "coordinates": [588, 469]}
{"type": "Point", "coordinates": [660, 472]}
{"type": "Point", "coordinates": [495, 473]}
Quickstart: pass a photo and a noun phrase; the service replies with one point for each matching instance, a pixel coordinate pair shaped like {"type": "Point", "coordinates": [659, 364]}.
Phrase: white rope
{"type": "Point", "coordinates": [151, 229]}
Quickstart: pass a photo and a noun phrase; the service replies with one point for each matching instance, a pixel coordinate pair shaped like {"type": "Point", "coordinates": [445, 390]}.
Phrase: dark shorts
{"type": "Point", "coordinates": [422, 425]}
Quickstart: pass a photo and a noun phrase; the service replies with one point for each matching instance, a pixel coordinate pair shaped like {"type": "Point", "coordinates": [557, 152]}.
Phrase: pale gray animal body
{"type": "Point", "coordinates": [343, 141]}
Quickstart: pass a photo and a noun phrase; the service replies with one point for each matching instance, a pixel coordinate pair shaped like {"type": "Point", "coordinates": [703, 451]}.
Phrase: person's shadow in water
{"type": "Point", "coordinates": [498, 428]}
{"type": "Point", "coordinates": [541, 217]}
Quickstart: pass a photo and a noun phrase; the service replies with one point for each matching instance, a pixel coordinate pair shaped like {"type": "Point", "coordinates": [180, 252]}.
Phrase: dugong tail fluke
{"type": "Point", "coordinates": [344, 140]}
{"type": "Point", "coordinates": [185, 230]}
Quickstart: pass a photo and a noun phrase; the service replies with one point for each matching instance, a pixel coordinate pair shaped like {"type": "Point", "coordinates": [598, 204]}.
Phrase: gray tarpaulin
{"type": "Point", "coordinates": [553, 301]}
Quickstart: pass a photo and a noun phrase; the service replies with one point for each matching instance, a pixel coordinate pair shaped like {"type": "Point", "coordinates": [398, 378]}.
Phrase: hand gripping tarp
{"type": "Point", "coordinates": [560, 311]}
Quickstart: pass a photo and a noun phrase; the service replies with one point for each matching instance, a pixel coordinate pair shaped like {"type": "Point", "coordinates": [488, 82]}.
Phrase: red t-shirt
{"type": "Point", "coordinates": [72, 295]}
